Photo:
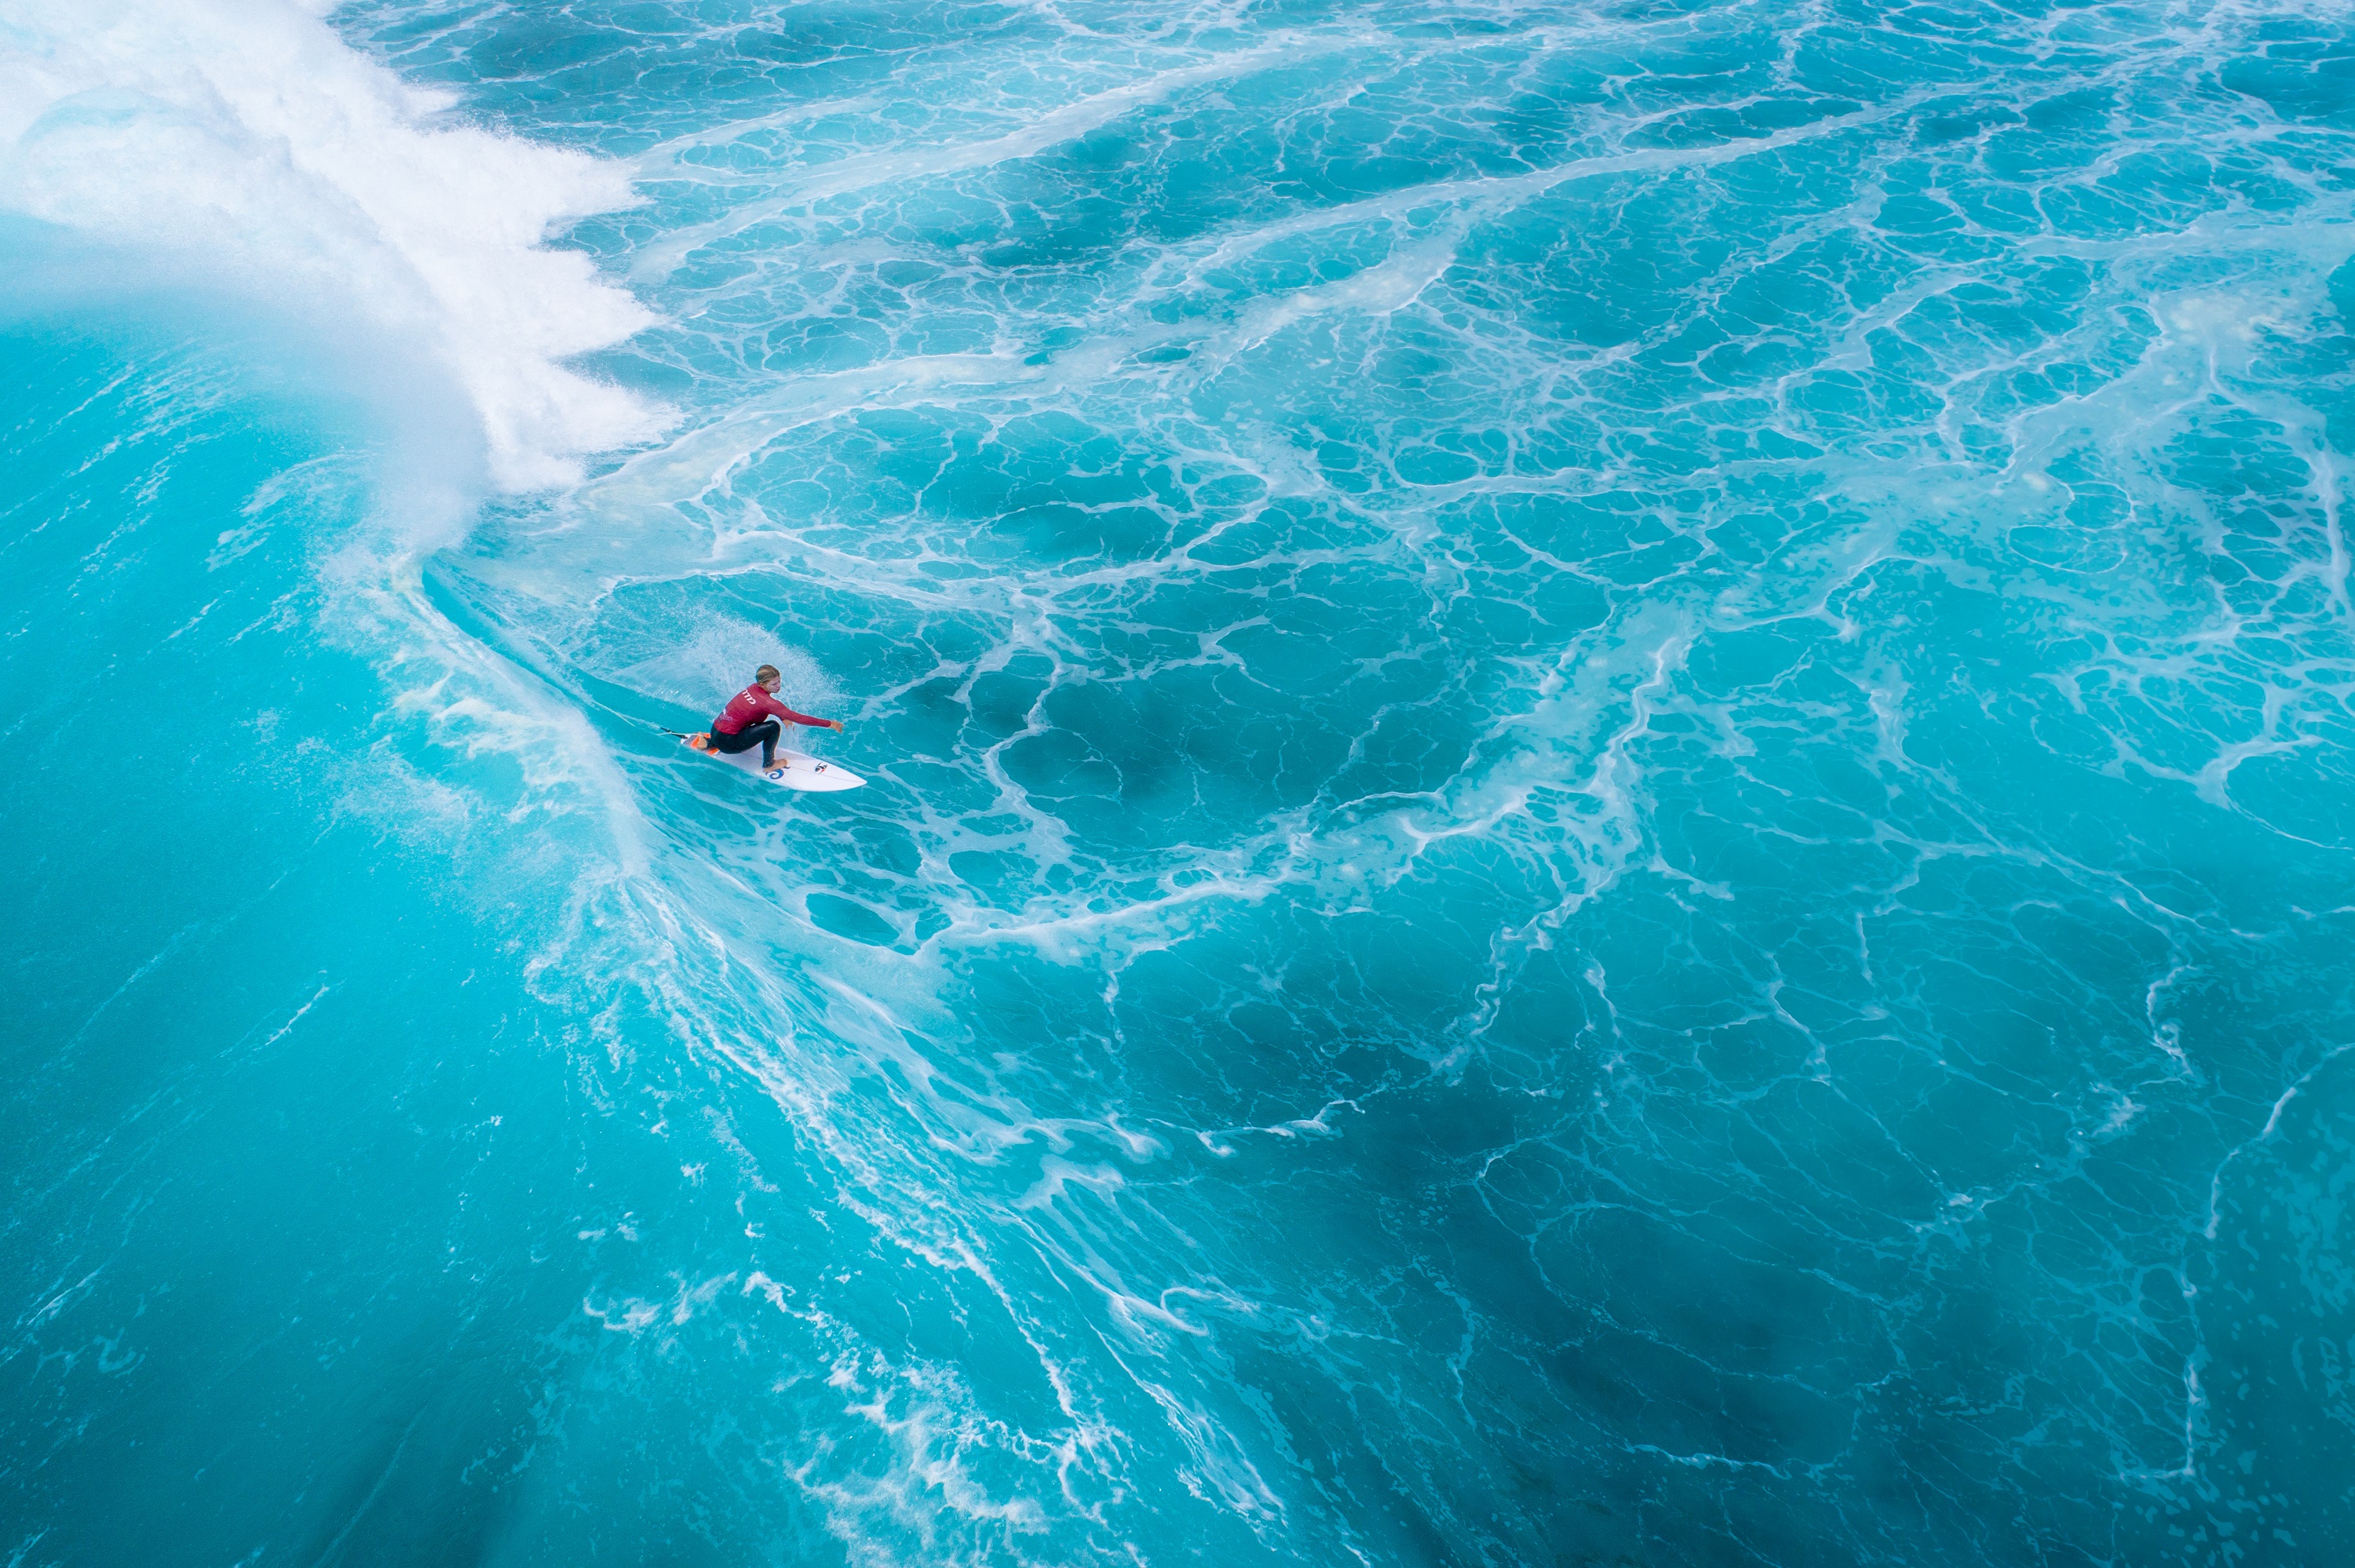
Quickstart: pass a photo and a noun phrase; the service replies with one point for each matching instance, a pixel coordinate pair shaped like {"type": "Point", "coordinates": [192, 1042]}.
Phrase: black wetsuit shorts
{"type": "Point", "coordinates": [764, 734]}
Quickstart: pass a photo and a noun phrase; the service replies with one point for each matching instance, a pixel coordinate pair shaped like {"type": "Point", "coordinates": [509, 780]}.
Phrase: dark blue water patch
{"type": "Point", "coordinates": [2303, 68]}
{"type": "Point", "coordinates": [2277, 1263]}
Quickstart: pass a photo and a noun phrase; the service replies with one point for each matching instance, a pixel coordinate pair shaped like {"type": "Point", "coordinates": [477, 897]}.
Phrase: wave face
{"type": "Point", "coordinates": [1610, 757]}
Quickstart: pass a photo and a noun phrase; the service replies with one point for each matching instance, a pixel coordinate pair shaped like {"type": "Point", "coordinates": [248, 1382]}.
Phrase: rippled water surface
{"type": "Point", "coordinates": [1609, 809]}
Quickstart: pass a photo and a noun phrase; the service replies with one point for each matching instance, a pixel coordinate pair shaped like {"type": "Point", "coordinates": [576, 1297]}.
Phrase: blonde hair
{"type": "Point", "coordinates": [768, 673]}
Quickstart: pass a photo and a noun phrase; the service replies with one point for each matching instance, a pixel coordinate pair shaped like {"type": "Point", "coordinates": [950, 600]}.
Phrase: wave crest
{"type": "Point", "coordinates": [246, 143]}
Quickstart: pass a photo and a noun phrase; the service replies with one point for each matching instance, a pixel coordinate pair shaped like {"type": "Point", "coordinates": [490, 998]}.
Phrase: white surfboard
{"type": "Point", "coordinates": [795, 770]}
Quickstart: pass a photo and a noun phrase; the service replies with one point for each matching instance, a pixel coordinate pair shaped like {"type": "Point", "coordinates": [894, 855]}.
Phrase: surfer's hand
{"type": "Point", "coordinates": [834, 723]}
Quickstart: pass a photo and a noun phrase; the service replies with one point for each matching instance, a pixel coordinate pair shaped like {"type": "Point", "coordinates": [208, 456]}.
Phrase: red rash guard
{"type": "Point", "coordinates": [751, 704]}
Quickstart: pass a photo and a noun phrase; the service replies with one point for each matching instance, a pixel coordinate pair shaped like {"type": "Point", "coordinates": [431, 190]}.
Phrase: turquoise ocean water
{"type": "Point", "coordinates": [1611, 812]}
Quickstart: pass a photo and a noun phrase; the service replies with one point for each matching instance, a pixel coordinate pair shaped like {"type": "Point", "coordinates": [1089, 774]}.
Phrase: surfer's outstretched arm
{"type": "Point", "coordinates": [780, 710]}
{"type": "Point", "coordinates": [753, 714]}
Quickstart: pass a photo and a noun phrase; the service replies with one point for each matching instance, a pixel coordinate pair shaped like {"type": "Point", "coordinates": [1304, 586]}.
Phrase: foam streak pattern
{"type": "Point", "coordinates": [1609, 755]}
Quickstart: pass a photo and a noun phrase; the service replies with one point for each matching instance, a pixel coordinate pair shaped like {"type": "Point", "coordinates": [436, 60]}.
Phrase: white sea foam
{"type": "Point", "coordinates": [243, 142]}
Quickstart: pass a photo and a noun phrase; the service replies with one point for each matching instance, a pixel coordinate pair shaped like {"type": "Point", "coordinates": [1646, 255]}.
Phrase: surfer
{"type": "Point", "coordinates": [751, 718]}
